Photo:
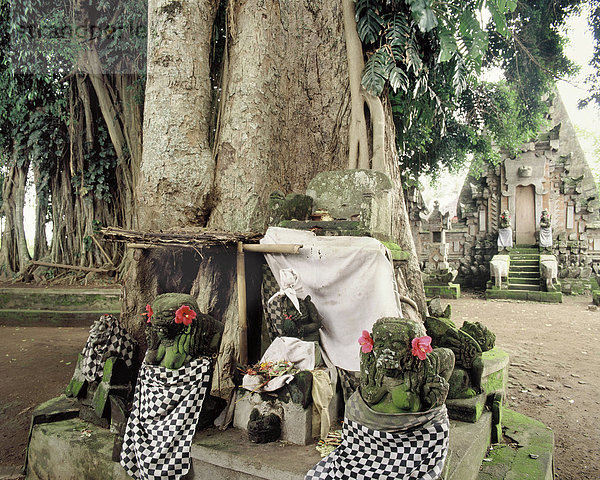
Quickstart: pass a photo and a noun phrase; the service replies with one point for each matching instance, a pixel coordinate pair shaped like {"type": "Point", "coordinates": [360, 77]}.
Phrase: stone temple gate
{"type": "Point", "coordinates": [550, 173]}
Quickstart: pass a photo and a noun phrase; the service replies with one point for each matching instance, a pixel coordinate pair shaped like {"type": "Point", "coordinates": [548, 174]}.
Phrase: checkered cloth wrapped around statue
{"type": "Point", "coordinates": [163, 420]}
{"type": "Point", "coordinates": [396, 423]}
{"type": "Point", "coordinates": [106, 339]}
{"type": "Point", "coordinates": [171, 387]}
{"type": "Point", "coordinates": [387, 446]}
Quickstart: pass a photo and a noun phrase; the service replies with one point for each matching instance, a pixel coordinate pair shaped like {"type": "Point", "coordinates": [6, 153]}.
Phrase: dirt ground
{"type": "Point", "coordinates": [36, 364]}
{"type": "Point", "coordinates": [555, 361]}
{"type": "Point", "coordinates": [554, 371]}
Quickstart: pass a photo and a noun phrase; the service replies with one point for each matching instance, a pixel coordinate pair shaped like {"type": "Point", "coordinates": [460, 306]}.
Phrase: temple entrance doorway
{"type": "Point", "coordinates": [525, 215]}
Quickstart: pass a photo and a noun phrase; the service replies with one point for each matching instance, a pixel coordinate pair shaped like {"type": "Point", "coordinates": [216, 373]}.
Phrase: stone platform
{"type": "Point", "coordinates": [74, 449]}
{"type": "Point", "coordinates": [451, 290]}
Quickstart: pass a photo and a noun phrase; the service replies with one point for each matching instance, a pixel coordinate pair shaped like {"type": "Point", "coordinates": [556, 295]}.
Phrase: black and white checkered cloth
{"type": "Point", "coordinates": [163, 420]}
{"type": "Point", "coordinates": [274, 310]}
{"type": "Point", "coordinates": [418, 452]}
{"type": "Point", "coordinates": [106, 339]}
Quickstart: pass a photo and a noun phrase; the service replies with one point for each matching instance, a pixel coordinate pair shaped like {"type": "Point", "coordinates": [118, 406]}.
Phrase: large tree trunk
{"type": "Point", "coordinates": [283, 116]}
{"type": "Point", "coordinates": [14, 251]}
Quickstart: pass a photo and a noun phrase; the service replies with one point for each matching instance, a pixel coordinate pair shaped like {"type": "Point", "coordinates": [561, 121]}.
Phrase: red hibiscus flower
{"type": "Point", "coordinates": [421, 346]}
{"type": "Point", "coordinates": [148, 313]}
{"type": "Point", "coordinates": [366, 342]}
{"type": "Point", "coordinates": [185, 315]}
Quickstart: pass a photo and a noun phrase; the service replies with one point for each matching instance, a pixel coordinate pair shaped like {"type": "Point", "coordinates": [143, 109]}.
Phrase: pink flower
{"type": "Point", "coordinates": [185, 315]}
{"type": "Point", "coordinates": [366, 342]}
{"type": "Point", "coordinates": [148, 313]}
{"type": "Point", "coordinates": [421, 346]}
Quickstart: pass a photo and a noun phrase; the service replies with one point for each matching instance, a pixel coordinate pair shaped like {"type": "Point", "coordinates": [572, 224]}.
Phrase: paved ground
{"type": "Point", "coordinates": [555, 362]}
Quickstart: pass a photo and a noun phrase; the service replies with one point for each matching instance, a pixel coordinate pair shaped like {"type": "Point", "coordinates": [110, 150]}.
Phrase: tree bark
{"type": "Point", "coordinates": [177, 170]}
{"type": "Point", "coordinates": [284, 116]}
{"type": "Point", "coordinates": [40, 242]}
{"type": "Point", "coordinates": [15, 254]}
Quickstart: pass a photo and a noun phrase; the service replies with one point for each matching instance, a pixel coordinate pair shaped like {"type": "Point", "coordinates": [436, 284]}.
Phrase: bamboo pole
{"type": "Point", "coordinates": [286, 248]}
{"type": "Point", "coordinates": [242, 318]}
{"type": "Point", "coordinates": [102, 250]}
{"type": "Point", "coordinates": [290, 248]}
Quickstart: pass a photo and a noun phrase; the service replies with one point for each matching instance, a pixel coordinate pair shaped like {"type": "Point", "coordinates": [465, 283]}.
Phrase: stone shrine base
{"type": "Point", "coordinates": [74, 449]}
{"type": "Point", "coordinates": [451, 290]}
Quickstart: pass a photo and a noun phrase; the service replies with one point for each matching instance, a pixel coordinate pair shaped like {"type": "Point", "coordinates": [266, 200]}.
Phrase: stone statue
{"type": "Point", "coordinates": [505, 240]}
{"type": "Point", "coordinates": [466, 377]}
{"type": "Point", "coordinates": [400, 372]}
{"type": "Point", "coordinates": [481, 334]}
{"type": "Point", "coordinates": [545, 231]}
{"type": "Point", "coordinates": [303, 324]}
{"type": "Point", "coordinates": [178, 332]}
{"type": "Point", "coordinates": [505, 219]}
{"type": "Point", "coordinates": [545, 220]}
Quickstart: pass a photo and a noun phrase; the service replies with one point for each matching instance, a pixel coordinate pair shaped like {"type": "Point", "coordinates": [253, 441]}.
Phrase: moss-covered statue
{"type": "Point", "coordinates": [400, 372]}
{"type": "Point", "coordinates": [505, 219]}
{"type": "Point", "coordinates": [178, 332]}
{"type": "Point", "coordinates": [545, 219]}
{"type": "Point", "coordinates": [467, 343]}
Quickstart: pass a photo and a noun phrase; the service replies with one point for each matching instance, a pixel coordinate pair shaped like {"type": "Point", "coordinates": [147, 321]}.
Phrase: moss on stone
{"type": "Point", "coordinates": [532, 459]}
{"type": "Point", "coordinates": [443, 291]}
{"type": "Point", "coordinates": [494, 382]}
{"type": "Point", "coordinates": [396, 251]}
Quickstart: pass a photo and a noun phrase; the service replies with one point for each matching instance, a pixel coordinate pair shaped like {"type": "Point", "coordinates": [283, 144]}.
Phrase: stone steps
{"type": "Point", "coordinates": [520, 287]}
{"type": "Point", "coordinates": [524, 275]}
{"type": "Point", "coordinates": [527, 267]}
{"type": "Point", "coordinates": [66, 307]}
{"type": "Point", "coordinates": [516, 282]}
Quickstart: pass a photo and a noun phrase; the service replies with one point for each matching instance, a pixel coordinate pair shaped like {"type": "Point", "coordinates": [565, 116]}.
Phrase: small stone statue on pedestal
{"type": "Point", "coordinates": [505, 238]}
{"type": "Point", "coordinates": [546, 231]}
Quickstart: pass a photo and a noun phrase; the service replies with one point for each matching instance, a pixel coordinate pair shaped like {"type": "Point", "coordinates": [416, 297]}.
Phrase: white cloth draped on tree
{"type": "Point", "coordinates": [349, 279]}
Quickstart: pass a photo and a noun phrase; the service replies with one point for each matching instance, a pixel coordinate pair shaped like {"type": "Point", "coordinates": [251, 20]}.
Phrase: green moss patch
{"type": "Point", "coordinates": [527, 453]}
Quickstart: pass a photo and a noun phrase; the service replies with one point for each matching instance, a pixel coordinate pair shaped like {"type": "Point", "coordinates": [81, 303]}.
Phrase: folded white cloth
{"type": "Point", "coordinates": [545, 237]}
{"type": "Point", "coordinates": [505, 237]}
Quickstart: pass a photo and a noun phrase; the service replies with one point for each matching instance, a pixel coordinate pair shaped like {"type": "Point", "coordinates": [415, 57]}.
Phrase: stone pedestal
{"type": "Point", "coordinates": [299, 425]}
{"type": "Point", "coordinates": [451, 290]}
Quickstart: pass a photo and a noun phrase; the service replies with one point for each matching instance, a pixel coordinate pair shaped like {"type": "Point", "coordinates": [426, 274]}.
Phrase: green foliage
{"type": "Point", "coordinates": [428, 56]}
{"type": "Point", "coordinates": [32, 109]}
{"type": "Point", "coordinates": [100, 163]}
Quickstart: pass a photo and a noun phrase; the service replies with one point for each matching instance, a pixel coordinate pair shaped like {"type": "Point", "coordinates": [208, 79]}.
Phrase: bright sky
{"type": "Point", "coordinates": [579, 49]}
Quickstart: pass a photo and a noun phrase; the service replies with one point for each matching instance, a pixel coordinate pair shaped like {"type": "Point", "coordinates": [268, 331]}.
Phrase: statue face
{"type": "Point", "coordinates": [392, 342]}
{"type": "Point", "coordinates": [163, 321]}
{"type": "Point", "coordinates": [168, 330]}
